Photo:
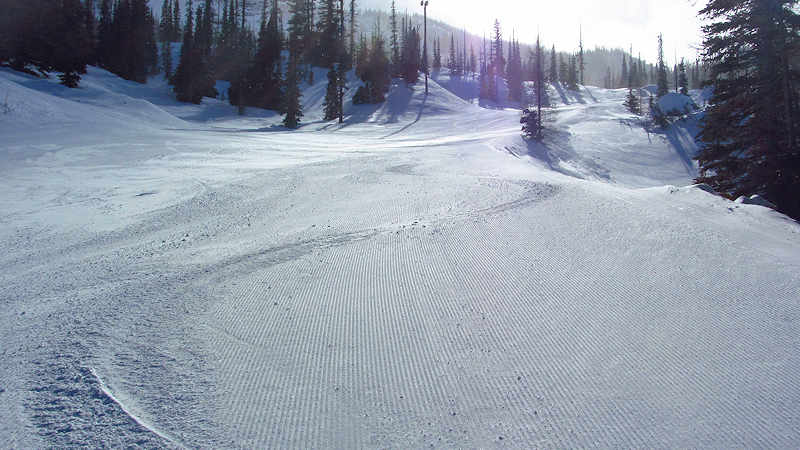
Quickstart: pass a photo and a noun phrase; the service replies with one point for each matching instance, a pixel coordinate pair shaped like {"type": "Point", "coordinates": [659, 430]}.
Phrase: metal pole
{"type": "Point", "coordinates": [424, 4]}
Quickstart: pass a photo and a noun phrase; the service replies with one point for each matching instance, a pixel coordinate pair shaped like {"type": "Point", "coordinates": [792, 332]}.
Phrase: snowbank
{"type": "Point", "coordinates": [675, 104]}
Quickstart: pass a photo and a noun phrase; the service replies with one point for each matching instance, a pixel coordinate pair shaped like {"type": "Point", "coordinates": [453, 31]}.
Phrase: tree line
{"type": "Point", "coordinates": [750, 130]}
{"type": "Point", "coordinates": [40, 36]}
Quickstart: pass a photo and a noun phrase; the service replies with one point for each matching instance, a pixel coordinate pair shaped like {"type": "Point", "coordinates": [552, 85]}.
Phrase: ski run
{"type": "Point", "coordinates": [176, 275]}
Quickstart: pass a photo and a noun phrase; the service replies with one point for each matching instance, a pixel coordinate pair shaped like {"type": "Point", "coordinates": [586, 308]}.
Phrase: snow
{"type": "Point", "coordinates": [178, 275]}
{"type": "Point", "coordinates": [676, 104]}
{"type": "Point", "coordinates": [755, 200]}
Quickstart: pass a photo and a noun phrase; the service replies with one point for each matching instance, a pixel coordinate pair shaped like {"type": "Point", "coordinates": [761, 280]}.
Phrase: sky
{"type": "Point", "coordinates": [609, 23]}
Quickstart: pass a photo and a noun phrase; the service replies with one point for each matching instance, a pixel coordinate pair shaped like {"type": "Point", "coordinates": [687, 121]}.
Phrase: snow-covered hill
{"type": "Point", "coordinates": [177, 275]}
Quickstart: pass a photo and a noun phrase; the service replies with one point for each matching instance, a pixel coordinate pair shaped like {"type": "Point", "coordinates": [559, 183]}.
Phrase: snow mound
{"type": "Point", "coordinates": [703, 187]}
{"type": "Point", "coordinates": [675, 104]}
{"type": "Point", "coordinates": [755, 200]}
{"type": "Point", "coordinates": [101, 98]}
{"type": "Point", "coordinates": [651, 89]}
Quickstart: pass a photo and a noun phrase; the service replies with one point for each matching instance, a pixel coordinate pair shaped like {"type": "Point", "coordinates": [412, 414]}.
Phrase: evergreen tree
{"type": "Point", "coordinates": [531, 119]}
{"type": "Point", "coordinates": [452, 65]}
{"type": "Point", "coordinates": [473, 63]}
{"type": "Point", "coordinates": [553, 66]}
{"type": "Point", "coordinates": [581, 65]}
{"type": "Point", "coordinates": [202, 72]}
{"type": "Point", "coordinates": [362, 56]}
{"type": "Point", "coordinates": [624, 76]}
{"type": "Point", "coordinates": [411, 55]}
{"type": "Point", "coordinates": [331, 103]}
{"type": "Point", "coordinates": [72, 44]}
{"type": "Point", "coordinates": [395, 43]}
{"type": "Point", "coordinates": [297, 31]}
{"type": "Point", "coordinates": [183, 80]}
{"type": "Point", "coordinates": [165, 24]}
{"type": "Point", "coordinates": [633, 66]}
{"type": "Point", "coordinates": [514, 72]}
{"type": "Point", "coordinates": [166, 59]}
{"type": "Point", "coordinates": [539, 81]}
{"type": "Point", "coordinates": [437, 55]}
{"type": "Point", "coordinates": [376, 75]}
{"type": "Point", "coordinates": [563, 69]}
{"type": "Point", "coordinates": [498, 61]}
{"type": "Point", "coordinates": [750, 130]}
{"type": "Point", "coordinates": [631, 101]}
{"type": "Point", "coordinates": [104, 35]}
{"type": "Point", "coordinates": [176, 21]}
{"type": "Point", "coordinates": [483, 91]}
{"type": "Point", "coordinates": [261, 87]}
{"type": "Point", "coordinates": [683, 81]}
{"type": "Point", "coordinates": [91, 31]}
{"type": "Point", "coordinates": [329, 39]}
{"type": "Point", "coordinates": [663, 88]}
{"type": "Point", "coordinates": [491, 83]}
{"type": "Point", "coordinates": [572, 75]}
{"type": "Point", "coordinates": [353, 26]}
{"type": "Point", "coordinates": [126, 40]}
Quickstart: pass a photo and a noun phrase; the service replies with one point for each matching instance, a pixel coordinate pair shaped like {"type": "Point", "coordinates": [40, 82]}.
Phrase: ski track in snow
{"type": "Point", "coordinates": [413, 280]}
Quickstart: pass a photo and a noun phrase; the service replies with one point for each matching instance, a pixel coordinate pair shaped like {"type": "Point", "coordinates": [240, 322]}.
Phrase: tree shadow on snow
{"type": "Point", "coordinates": [589, 93]}
{"type": "Point", "coordinates": [410, 124]}
{"type": "Point", "coordinates": [682, 138]}
{"type": "Point", "coordinates": [556, 151]}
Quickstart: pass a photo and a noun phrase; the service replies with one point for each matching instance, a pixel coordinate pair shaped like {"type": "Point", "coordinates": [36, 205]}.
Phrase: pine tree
{"type": "Point", "coordinates": [437, 56]}
{"type": "Point", "coordinates": [91, 31]}
{"type": "Point", "coordinates": [683, 81]}
{"type": "Point", "coordinates": [395, 43]}
{"type": "Point", "coordinates": [751, 130]}
{"type": "Point", "coordinates": [176, 21]}
{"type": "Point", "coordinates": [331, 103]}
{"type": "Point", "coordinates": [353, 26]}
{"type": "Point", "coordinates": [297, 32]}
{"type": "Point", "coordinates": [376, 75]}
{"type": "Point", "coordinates": [498, 61]}
{"type": "Point", "coordinates": [166, 59]}
{"type": "Point", "coordinates": [553, 66]}
{"type": "Point", "coordinates": [473, 63]}
{"type": "Point", "coordinates": [633, 66]}
{"type": "Point", "coordinates": [663, 88]}
{"type": "Point", "coordinates": [411, 61]}
{"type": "Point", "coordinates": [624, 76]}
{"type": "Point", "coordinates": [539, 80]}
{"type": "Point", "coordinates": [201, 65]}
{"type": "Point", "coordinates": [631, 101]}
{"type": "Point", "coordinates": [71, 45]}
{"type": "Point", "coordinates": [261, 87]}
{"type": "Point", "coordinates": [563, 69]}
{"type": "Point", "coordinates": [581, 65]}
{"type": "Point", "coordinates": [165, 24]}
{"type": "Point", "coordinates": [104, 35]}
{"type": "Point", "coordinates": [452, 65]}
{"type": "Point", "coordinates": [483, 91]}
{"type": "Point", "coordinates": [514, 72]}
{"type": "Point", "coordinates": [572, 75]}
{"type": "Point", "coordinates": [491, 83]}
{"type": "Point", "coordinates": [183, 80]}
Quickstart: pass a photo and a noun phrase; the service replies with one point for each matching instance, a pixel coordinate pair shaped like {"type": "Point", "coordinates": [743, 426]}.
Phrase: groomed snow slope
{"type": "Point", "coordinates": [419, 276]}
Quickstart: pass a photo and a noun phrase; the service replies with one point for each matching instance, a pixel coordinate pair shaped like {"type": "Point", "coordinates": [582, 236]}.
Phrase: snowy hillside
{"type": "Point", "coordinates": [179, 276]}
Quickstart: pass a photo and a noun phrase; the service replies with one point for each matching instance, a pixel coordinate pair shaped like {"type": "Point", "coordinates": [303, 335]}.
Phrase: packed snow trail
{"type": "Point", "coordinates": [420, 278]}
